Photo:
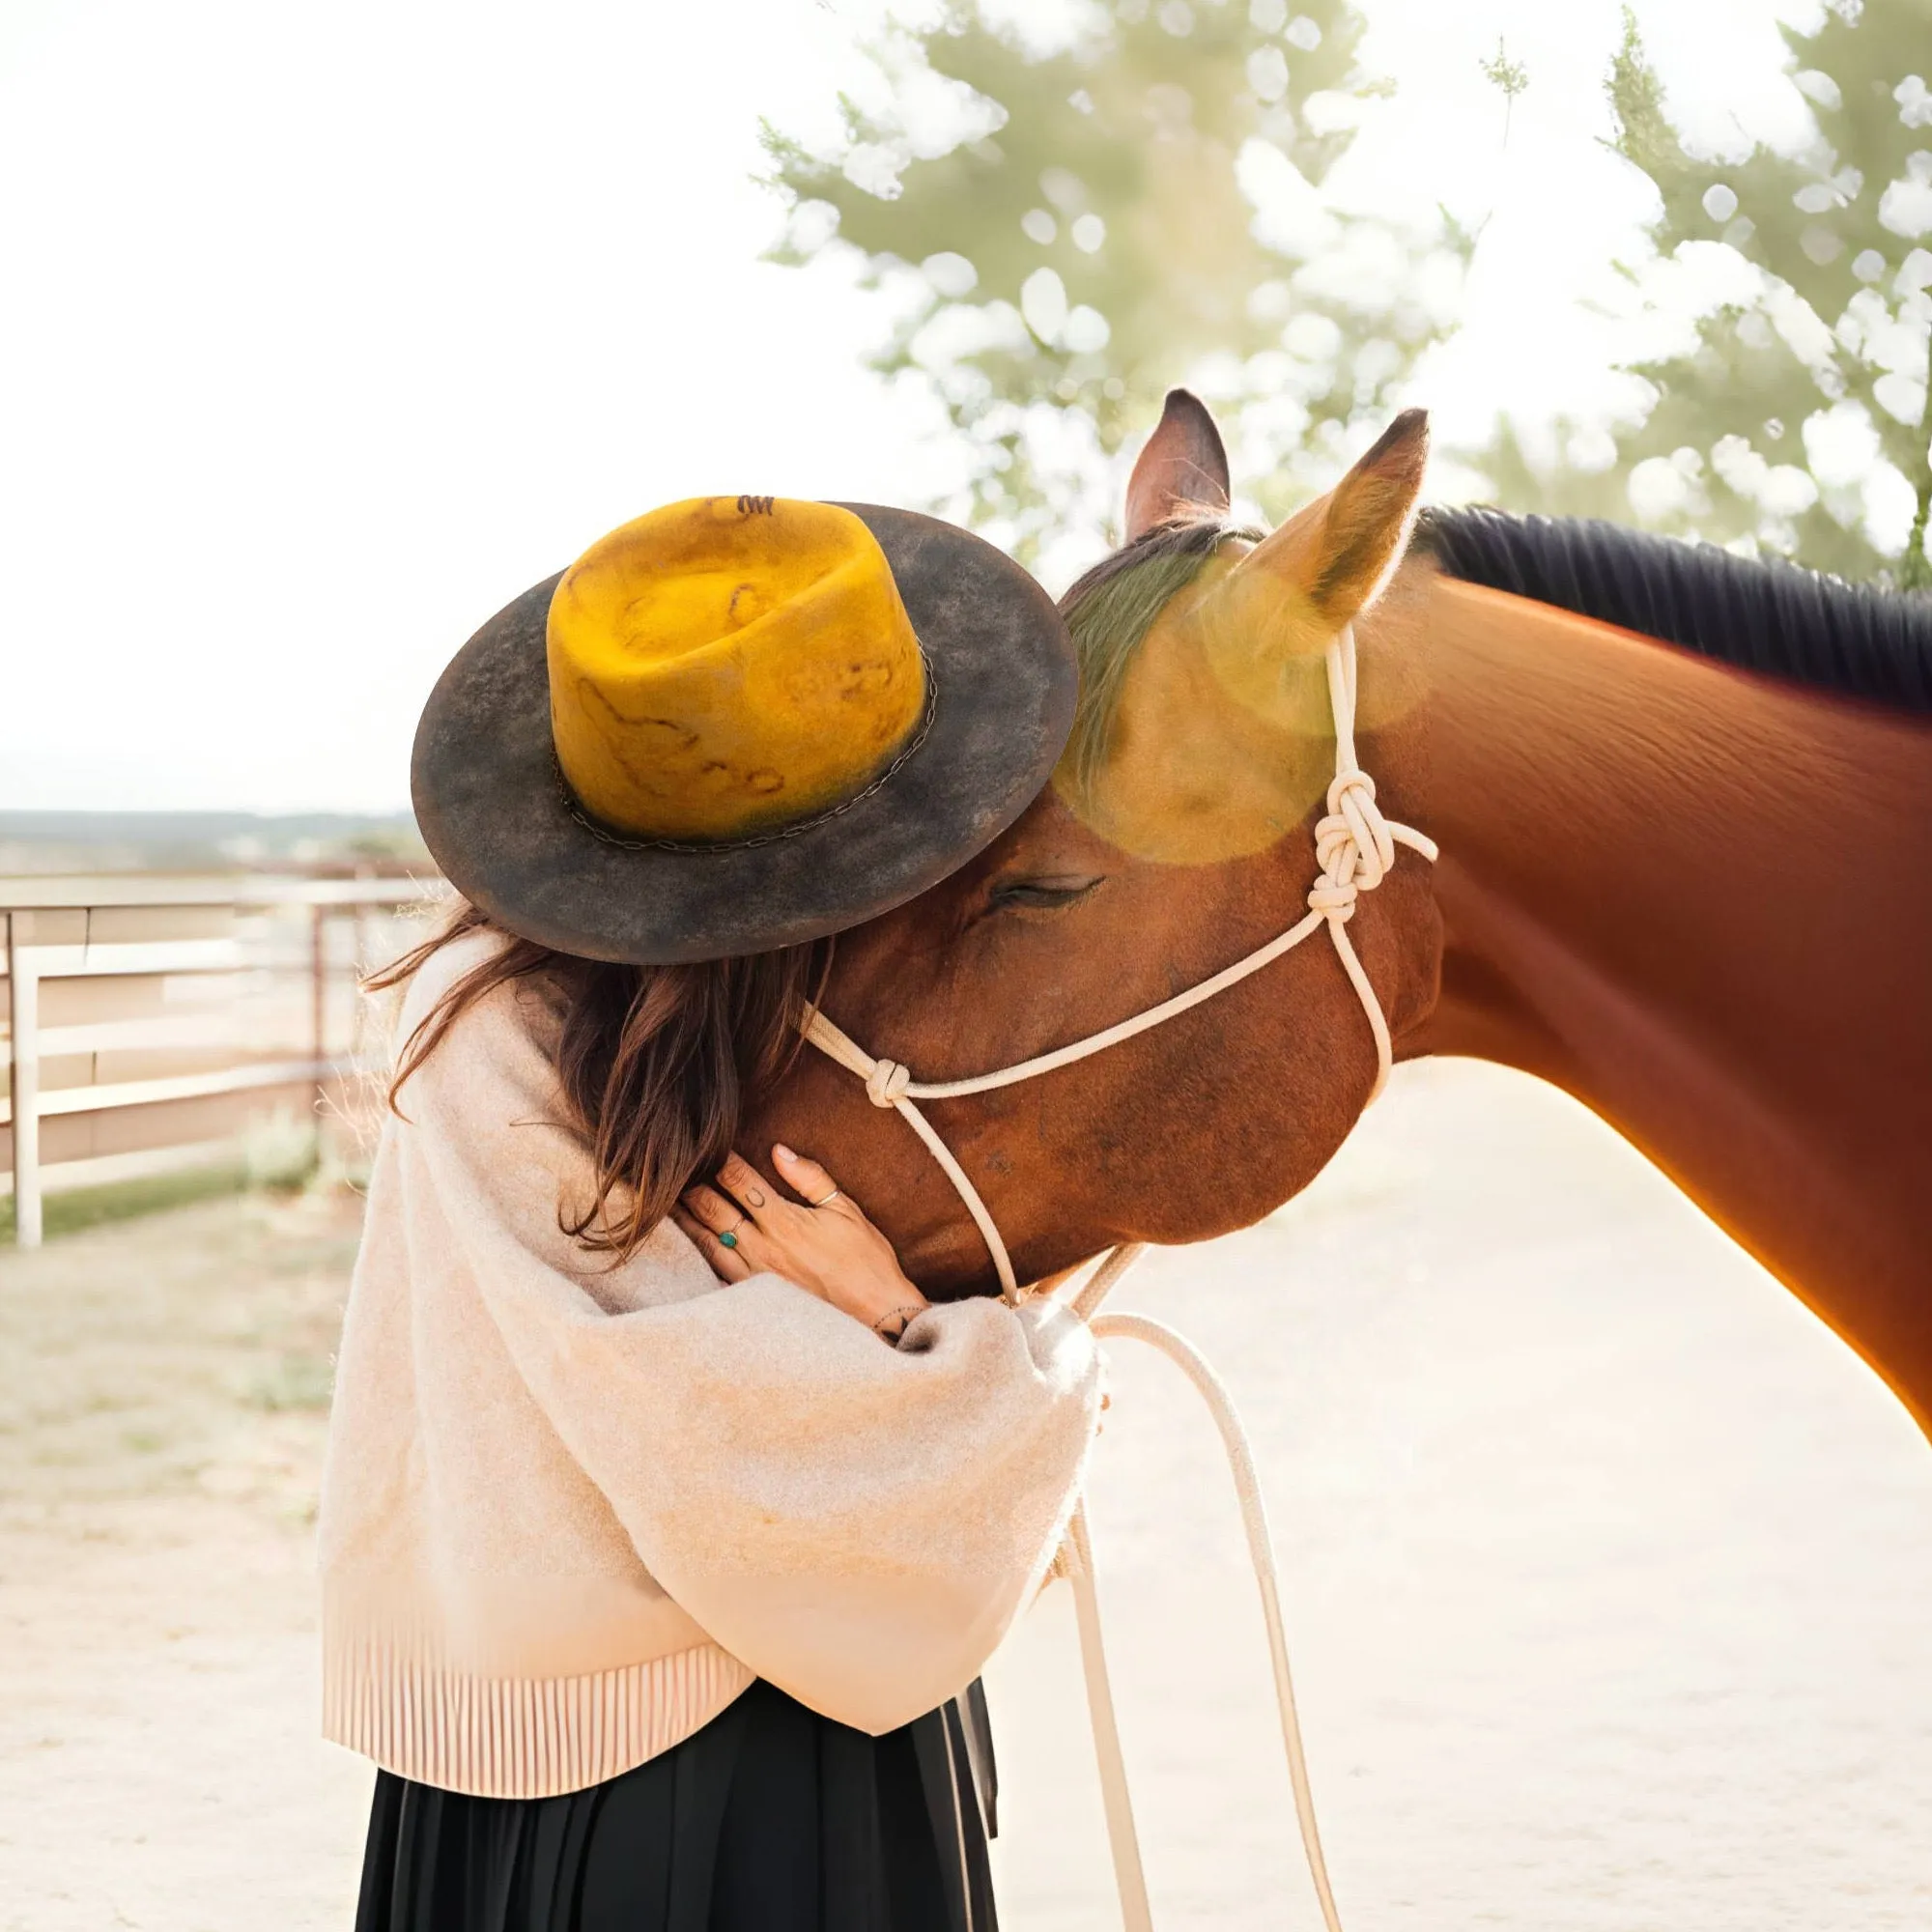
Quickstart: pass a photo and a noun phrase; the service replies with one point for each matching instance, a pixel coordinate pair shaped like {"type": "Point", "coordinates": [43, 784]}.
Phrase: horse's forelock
{"type": "Point", "coordinates": [1111, 608]}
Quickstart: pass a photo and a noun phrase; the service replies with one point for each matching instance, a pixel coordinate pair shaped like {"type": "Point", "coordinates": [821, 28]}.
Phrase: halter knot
{"type": "Point", "coordinates": [1352, 845]}
{"type": "Point", "coordinates": [886, 1084]}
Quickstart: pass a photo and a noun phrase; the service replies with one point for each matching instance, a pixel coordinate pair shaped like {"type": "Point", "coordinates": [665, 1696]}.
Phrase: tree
{"type": "Point", "coordinates": [1141, 207]}
{"type": "Point", "coordinates": [1796, 423]}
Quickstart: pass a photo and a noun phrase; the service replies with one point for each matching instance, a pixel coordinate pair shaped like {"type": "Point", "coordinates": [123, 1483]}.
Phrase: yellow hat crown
{"type": "Point", "coordinates": [729, 666]}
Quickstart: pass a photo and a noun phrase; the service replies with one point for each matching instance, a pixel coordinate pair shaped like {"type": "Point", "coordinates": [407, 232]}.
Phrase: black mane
{"type": "Point", "coordinates": [1766, 616]}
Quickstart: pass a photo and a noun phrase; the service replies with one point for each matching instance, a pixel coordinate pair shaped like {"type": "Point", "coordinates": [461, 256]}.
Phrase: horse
{"type": "Point", "coordinates": [1684, 805]}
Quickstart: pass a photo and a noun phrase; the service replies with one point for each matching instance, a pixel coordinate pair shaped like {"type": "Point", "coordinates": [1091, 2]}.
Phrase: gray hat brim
{"type": "Point", "coordinates": [494, 815]}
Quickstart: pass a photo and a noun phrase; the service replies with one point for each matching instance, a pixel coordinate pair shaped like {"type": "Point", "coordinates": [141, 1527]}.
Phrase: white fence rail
{"type": "Point", "coordinates": [148, 1019]}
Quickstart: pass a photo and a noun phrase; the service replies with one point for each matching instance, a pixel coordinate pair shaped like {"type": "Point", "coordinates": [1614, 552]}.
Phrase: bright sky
{"type": "Point", "coordinates": [332, 327]}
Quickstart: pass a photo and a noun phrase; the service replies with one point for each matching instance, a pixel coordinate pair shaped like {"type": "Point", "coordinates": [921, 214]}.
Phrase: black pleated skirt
{"type": "Point", "coordinates": [770, 1819]}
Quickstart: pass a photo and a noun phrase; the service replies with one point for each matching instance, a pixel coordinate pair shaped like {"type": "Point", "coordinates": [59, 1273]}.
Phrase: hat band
{"type": "Point", "coordinates": [626, 841]}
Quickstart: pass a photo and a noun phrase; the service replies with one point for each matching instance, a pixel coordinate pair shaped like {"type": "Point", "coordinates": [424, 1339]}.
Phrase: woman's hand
{"type": "Point", "coordinates": [822, 1241]}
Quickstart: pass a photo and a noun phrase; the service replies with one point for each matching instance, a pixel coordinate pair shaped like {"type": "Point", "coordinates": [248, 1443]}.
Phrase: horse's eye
{"type": "Point", "coordinates": [1042, 895]}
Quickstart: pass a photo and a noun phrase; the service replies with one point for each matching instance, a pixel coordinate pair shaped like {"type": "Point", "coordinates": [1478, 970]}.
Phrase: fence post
{"type": "Point", "coordinates": [23, 990]}
{"type": "Point", "coordinates": [317, 976]}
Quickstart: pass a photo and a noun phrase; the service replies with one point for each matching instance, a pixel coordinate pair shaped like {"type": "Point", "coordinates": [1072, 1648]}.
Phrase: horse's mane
{"type": "Point", "coordinates": [1765, 616]}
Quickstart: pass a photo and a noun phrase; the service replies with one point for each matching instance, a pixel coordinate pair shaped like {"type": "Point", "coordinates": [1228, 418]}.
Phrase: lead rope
{"type": "Point", "coordinates": [1354, 846]}
{"type": "Point", "coordinates": [1076, 1563]}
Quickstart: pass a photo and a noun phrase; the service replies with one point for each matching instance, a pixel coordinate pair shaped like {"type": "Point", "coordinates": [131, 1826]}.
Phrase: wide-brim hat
{"type": "Point", "coordinates": [514, 838]}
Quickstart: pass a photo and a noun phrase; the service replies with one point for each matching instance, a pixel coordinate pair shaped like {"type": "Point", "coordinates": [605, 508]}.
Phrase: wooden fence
{"type": "Point", "coordinates": [151, 1021]}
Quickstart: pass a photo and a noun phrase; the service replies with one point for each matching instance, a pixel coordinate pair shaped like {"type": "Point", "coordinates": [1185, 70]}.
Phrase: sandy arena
{"type": "Point", "coordinates": [1605, 1569]}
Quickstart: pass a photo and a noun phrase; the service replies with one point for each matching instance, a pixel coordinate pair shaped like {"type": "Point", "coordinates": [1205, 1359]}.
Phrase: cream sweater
{"type": "Point", "coordinates": [570, 1511]}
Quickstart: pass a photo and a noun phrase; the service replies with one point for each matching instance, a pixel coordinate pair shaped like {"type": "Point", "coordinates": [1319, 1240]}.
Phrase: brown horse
{"type": "Point", "coordinates": [1688, 881]}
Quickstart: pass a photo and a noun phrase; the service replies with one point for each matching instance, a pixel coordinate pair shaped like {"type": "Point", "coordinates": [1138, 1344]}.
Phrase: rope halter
{"type": "Point", "coordinates": [1354, 846]}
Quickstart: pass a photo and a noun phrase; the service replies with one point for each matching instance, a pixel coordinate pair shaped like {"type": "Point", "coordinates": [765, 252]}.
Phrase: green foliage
{"type": "Point", "coordinates": [1644, 133]}
{"type": "Point", "coordinates": [1508, 77]}
{"type": "Point", "coordinates": [281, 1150]}
{"type": "Point", "coordinates": [1089, 236]}
{"type": "Point", "coordinates": [1834, 336]}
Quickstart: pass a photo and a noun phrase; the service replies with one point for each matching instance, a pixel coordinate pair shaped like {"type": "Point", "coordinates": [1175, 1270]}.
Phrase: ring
{"type": "Point", "coordinates": [830, 1198]}
{"type": "Point", "coordinates": [729, 1238]}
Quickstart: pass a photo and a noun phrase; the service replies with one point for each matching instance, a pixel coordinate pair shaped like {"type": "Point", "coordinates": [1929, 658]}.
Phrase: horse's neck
{"type": "Point", "coordinates": [1702, 902]}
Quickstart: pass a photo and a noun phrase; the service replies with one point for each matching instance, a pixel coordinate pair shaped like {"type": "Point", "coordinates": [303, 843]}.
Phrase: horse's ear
{"type": "Point", "coordinates": [1183, 467]}
{"type": "Point", "coordinates": [1337, 554]}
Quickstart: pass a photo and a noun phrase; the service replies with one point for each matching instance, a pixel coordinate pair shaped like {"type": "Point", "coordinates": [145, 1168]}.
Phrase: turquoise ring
{"type": "Point", "coordinates": [728, 1238]}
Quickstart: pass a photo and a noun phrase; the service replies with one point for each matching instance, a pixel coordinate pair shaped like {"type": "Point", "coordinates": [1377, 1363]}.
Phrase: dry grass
{"type": "Point", "coordinates": [206, 1363]}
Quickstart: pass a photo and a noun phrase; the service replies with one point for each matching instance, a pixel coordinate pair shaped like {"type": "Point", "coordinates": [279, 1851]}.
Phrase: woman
{"type": "Point", "coordinates": [666, 1526]}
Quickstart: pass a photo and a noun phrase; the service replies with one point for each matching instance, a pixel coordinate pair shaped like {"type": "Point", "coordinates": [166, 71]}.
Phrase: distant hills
{"type": "Point", "coordinates": [206, 841]}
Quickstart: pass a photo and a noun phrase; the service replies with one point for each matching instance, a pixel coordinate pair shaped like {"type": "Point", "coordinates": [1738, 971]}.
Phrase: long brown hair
{"type": "Point", "coordinates": [656, 1062]}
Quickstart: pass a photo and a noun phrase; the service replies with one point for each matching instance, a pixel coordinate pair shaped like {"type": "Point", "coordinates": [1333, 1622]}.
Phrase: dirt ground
{"type": "Point", "coordinates": [1606, 1571]}
{"type": "Point", "coordinates": [161, 1418]}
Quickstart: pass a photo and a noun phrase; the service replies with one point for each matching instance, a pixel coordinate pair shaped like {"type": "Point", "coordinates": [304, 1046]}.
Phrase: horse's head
{"type": "Point", "coordinates": [1176, 837]}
